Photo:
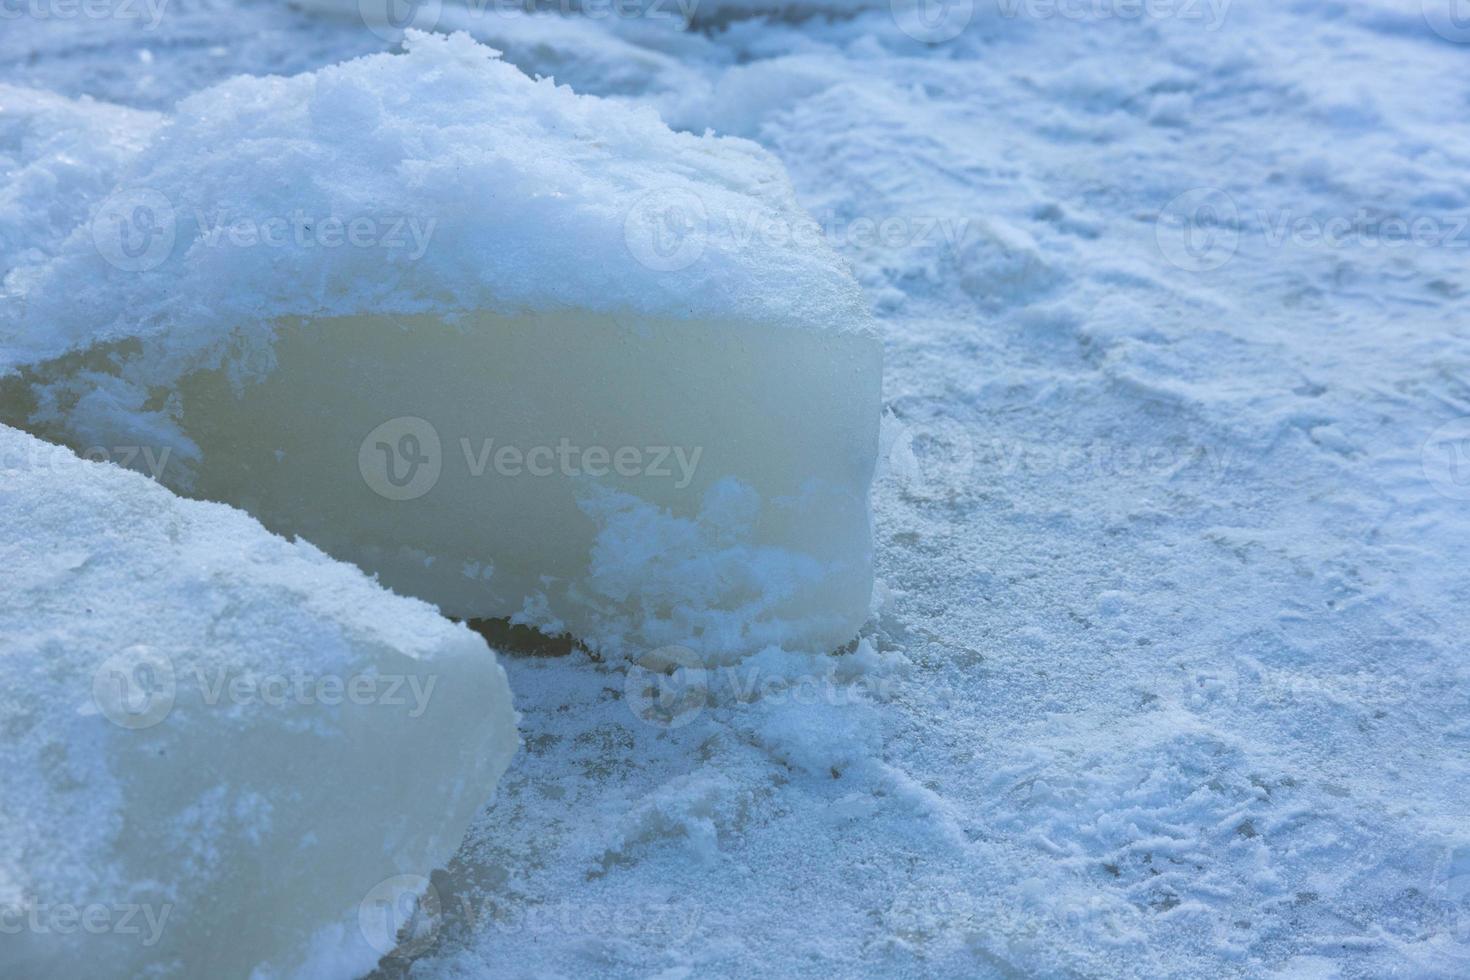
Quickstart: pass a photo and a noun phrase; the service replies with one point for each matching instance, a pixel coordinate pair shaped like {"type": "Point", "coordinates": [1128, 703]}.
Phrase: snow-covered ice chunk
{"type": "Point", "coordinates": [218, 745]}
{"type": "Point", "coordinates": [443, 181]}
{"type": "Point", "coordinates": [58, 158]}
{"type": "Point", "coordinates": [520, 352]}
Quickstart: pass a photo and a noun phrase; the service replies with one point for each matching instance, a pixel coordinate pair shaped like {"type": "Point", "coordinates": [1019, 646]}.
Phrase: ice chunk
{"type": "Point", "coordinates": [218, 745]}
{"type": "Point", "coordinates": [636, 483]}
{"type": "Point", "coordinates": [555, 362]}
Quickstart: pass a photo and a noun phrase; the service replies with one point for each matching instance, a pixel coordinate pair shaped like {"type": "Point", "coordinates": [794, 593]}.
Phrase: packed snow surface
{"type": "Point", "coordinates": [1170, 675]}
{"type": "Point", "coordinates": [223, 752]}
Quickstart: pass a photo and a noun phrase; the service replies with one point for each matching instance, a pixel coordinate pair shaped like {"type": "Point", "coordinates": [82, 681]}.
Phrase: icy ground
{"type": "Point", "coordinates": [1169, 677]}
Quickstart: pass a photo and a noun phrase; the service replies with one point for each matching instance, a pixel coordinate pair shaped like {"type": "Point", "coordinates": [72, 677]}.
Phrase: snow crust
{"type": "Point", "coordinates": [507, 195]}
{"type": "Point", "coordinates": [58, 158]}
{"type": "Point", "coordinates": [217, 742]}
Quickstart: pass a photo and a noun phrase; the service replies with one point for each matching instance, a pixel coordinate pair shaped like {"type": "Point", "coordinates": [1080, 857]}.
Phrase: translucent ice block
{"type": "Point", "coordinates": [220, 751]}
{"type": "Point", "coordinates": [633, 480]}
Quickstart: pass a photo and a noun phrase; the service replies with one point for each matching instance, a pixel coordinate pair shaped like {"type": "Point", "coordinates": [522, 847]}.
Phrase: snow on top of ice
{"type": "Point", "coordinates": [438, 180]}
{"type": "Point", "coordinates": [58, 158]}
{"type": "Point", "coordinates": [105, 569]}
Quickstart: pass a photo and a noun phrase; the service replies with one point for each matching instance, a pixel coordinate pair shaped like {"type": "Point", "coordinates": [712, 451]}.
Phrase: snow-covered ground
{"type": "Point", "coordinates": [1168, 674]}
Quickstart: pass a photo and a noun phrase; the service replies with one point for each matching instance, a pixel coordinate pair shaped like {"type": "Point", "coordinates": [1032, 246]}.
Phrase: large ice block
{"type": "Point", "coordinates": [578, 370]}
{"type": "Point", "coordinates": [637, 482]}
{"type": "Point", "coordinates": [217, 744]}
